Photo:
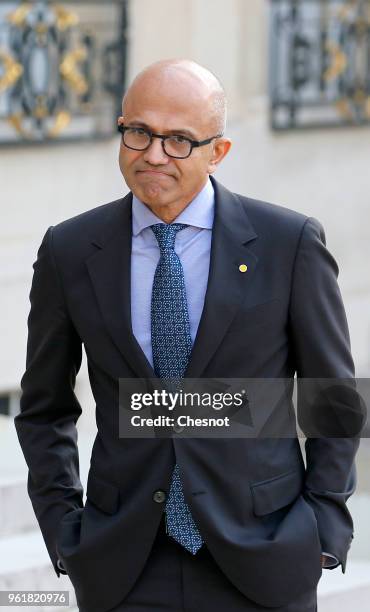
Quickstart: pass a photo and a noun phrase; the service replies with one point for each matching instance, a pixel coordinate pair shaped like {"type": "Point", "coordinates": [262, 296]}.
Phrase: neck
{"type": "Point", "coordinates": [166, 213]}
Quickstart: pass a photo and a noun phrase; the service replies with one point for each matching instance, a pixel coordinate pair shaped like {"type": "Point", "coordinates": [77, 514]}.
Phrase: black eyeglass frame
{"type": "Point", "coordinates": [194, 143]}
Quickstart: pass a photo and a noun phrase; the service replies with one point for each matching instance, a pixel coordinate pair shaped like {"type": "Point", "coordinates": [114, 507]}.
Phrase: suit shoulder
{"type": "Point", "coordinates": [279, 226]}
{"type": "Point", "coordinates": [267, 214]}
{"type": "Point", "coordinates": [76, 235]}
{"type": "Point", "coordinates": [89, 219]}
{"type": "Point", "coordinates": [74, 238]}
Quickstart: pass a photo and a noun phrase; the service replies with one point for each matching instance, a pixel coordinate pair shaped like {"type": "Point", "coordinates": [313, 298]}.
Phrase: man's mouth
{"type": "Point", "coordinates": [154, 172]}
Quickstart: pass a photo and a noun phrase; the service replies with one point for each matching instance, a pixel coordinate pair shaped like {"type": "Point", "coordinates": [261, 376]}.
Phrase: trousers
{"type": "Point", "coordinates": [174, 580]}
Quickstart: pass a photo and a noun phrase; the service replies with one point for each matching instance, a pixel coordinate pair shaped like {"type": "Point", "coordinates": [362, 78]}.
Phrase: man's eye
{"type": "Point", "coordinates": [139, 131]}
{"type": "Point", "coordinates": [179, 139]}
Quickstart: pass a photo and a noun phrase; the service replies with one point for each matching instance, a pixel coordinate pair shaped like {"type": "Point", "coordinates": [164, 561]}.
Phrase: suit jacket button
{"type": "Point", "coordinates": [159, 496]}
{"type": "Point", "coordinates": [178, 428]}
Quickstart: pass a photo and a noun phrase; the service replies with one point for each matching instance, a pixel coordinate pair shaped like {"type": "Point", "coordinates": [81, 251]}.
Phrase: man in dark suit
{"type": "Point", "coordinates": [183, 278]}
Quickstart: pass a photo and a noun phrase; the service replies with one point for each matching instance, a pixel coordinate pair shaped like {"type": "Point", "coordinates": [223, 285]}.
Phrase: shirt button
{"type": "Point", "coordinates": [159, 496]}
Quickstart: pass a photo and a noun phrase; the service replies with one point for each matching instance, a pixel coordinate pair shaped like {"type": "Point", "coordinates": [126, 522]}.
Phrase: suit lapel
{"type": "Point", "coordinates": [227, 285]}
{"type": "Point", "coordinates": [110, 272]}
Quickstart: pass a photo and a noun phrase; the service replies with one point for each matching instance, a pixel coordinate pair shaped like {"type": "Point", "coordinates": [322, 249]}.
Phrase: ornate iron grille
{"type": "Point", "coordinates": [62, 69]}
{"type": "Point", "coordinates": [319, 63]}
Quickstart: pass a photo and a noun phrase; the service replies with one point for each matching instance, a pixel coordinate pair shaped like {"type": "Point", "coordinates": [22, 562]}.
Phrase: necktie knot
{"type": "Point", "coordinates": [166, 234]}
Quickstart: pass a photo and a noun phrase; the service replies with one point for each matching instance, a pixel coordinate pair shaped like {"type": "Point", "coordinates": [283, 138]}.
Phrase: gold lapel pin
{"type": "Point", "coordinates": [243, 268]}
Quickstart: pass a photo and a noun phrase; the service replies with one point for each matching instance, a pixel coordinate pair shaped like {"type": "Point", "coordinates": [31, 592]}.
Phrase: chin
{"type": "Point", "coordinates": [153, 194]}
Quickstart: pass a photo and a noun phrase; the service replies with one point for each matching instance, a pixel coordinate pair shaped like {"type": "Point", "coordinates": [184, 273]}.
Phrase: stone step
{"type": "Point", "coordinates": [25, 565]}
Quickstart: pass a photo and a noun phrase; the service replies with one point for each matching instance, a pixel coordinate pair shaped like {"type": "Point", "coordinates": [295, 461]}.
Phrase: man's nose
{"type": "Point", "coordinates": [154, 154]}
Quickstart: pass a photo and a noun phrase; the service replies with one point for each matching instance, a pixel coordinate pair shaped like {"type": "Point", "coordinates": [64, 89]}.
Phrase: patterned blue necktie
{"type": "Point", "coordinates": [171, 345]}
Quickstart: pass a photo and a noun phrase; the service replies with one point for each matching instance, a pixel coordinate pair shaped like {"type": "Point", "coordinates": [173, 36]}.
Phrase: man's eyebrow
{"type": "Point", "coordinates": [180, 131]}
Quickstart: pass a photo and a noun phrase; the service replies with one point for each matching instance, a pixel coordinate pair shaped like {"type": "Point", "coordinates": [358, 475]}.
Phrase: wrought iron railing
{"type": "Point", "coordinates": [62, 69]}
{"type": "Point", "coordinates": [319, 63]}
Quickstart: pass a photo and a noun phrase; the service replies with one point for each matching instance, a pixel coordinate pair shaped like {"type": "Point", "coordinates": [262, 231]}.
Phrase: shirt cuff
{"type": "Point", "coordinates": [60, 566]}
{"type": "Point", "coordinates": [330, 560]}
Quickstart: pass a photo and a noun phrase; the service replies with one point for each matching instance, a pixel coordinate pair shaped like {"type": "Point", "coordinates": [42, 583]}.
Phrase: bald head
{"type": "Point", "coordinates": [184, 79]}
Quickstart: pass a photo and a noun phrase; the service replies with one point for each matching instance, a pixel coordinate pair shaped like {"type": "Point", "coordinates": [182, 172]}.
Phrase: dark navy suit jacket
{"type": "Point", "coordinates": [256, 503]}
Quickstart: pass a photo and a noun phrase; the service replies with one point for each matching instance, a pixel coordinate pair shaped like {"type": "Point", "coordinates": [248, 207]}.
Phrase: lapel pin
{"type": "Point", "coordinates": [243, 268]}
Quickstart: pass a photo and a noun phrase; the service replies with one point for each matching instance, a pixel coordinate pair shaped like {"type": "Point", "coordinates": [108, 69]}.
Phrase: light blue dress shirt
{"type": "Point", "coordinates": [193, 246]}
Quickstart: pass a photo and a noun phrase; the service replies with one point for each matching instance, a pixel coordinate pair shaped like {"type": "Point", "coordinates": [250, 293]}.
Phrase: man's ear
{"type": "Point", "coordinates": [221, 148]}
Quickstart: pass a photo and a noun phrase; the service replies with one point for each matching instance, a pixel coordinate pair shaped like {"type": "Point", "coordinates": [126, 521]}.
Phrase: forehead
{"type": "Point", "coordinates": [170, 105]}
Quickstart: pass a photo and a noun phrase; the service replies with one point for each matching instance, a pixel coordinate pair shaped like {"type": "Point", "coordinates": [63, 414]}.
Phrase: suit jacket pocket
{"type": "Point", "coordinates": [277, 492]}
{"type": "Point", "coordinates": [103, 494]}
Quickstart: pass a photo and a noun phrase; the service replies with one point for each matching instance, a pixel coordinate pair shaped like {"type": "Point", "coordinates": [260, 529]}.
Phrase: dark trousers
{"type": "Point", "coordinates": [174, 580]}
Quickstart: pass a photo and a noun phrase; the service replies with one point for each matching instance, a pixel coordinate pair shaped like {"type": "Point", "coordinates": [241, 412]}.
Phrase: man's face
{"type": "Point", "coordinates": [163, 183]}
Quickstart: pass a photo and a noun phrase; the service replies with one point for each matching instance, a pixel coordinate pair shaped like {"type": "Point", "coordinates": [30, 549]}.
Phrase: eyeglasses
{"type": "Point", "coordinates": [175, 145]}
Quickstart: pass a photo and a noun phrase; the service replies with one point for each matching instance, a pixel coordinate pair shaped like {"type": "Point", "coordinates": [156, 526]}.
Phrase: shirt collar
{"type": "Point", "coordinates": [198, 213]}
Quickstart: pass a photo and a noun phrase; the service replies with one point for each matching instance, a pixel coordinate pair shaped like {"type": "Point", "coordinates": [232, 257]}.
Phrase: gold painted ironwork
{"type": "Point", "coordinates": [15, 121]}
{"type": "Point", "coordinates": [41, 28]}
{"type": "Point", "coordinates": [12, 70]}
{"type": "Point", "coordinates": [41, 110]}
{"type": "Point", "coordinates": [69, 71]}
{"type": "Point", "coordinates": [47, 26]}
{"type": "Point", "coordinates": [336, 66]}
{"type": "Point", "coordinates": [62, 119]}
{"type": "Point", "coordinates": [19, 15]}
{"type": "Point", "coordinates": [343, 107]}
{"type": "Point", "coordinates": [64, 19]}
{"type": "Point", "coordinates": [68, 68]}
{"type": "Point", "coordinates": [339, 61]}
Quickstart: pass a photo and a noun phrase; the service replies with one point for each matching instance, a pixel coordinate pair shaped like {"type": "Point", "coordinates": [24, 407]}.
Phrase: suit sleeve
{"type": "Point", "coordinates": [49, 409]}
{"type": "Point", "coordinates": [321, 347]}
